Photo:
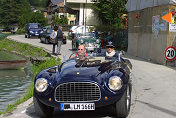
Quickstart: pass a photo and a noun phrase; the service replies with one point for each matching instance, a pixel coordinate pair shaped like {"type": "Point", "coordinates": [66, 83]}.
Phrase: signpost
{"type": "Point", "coordinates": [170, 53]}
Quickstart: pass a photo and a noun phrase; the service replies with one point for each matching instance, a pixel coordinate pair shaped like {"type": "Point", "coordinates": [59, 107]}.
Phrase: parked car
{"type": "Point", "coordinates": [45, 36]}
{"type": "Point", "coordinates": [78, 29]}
{"type": "Point", "coordinates": [81, 85]}
{"type": "Point", "coordinates": [33, 29]}
{"type": "Point", "coordinates": [72, 30]}
{"type": "Point", "coordinates": [88, 39]}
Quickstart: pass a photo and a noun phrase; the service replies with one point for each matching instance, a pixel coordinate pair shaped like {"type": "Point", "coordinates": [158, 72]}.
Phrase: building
{"type": "Point", "coordinates": [57, 8]}
{"type": "Point", "coordinates": [61, 12]}
{"type": "Point", "coordinates": [84, 13]}
{"type": "Point", "coordinates": [148, 34]}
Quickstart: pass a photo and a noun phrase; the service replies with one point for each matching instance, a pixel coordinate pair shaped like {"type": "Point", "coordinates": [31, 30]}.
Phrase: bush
{"type": "Point", "coordinates": [60, 21]}
{"type": "Point", "coordinates": [21, 31]}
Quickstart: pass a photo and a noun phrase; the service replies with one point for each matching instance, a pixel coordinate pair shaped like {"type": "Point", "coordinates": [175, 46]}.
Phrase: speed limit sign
{"type": "Point", "coordinates": [170, 53]}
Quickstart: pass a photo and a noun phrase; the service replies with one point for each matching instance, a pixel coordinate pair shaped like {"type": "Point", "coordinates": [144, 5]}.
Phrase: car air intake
{"type": "Point", "coordinates": [77, 92]}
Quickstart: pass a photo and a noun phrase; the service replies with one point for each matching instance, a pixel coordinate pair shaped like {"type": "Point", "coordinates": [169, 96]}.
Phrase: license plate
{"type": "Point", "coordinates": [77, 106]}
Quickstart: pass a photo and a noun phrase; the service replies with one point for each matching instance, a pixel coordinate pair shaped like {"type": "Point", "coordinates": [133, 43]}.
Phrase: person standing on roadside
{"type": "Point", "coordinates": [59, 40]}
{"type": "Point", "coordinates": [54, 40]}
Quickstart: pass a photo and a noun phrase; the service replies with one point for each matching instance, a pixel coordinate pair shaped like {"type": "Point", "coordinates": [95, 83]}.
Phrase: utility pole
{"type": "Point", "coordinates": [85, 15]}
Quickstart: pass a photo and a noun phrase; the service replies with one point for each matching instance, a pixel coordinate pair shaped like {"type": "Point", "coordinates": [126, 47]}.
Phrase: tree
{"type": "Point", "coordinates": [10, 10]}
{"type": "Point", "coordinates": [38, 3]}
{"type": "Point", "coordinates": [60, 21]}
{"type": "Point", "coordinates": [38, 17]}
{"type": "Point", "coordinates": [110, 11]}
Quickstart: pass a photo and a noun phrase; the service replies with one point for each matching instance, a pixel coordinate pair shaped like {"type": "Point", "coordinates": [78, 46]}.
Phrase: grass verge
{"type": "Point", "coordinates": [26, 50]}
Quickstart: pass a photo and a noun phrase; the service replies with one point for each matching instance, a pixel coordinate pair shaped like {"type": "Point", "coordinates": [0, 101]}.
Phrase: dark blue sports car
{"type": "Point", "coordinates": [79, 85]}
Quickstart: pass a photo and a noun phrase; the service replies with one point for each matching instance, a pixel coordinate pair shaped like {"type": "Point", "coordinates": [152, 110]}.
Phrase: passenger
{"type": "Point", "coordinates": [110, 51]}
{"type": "Point", "coordinates": [81, 53]}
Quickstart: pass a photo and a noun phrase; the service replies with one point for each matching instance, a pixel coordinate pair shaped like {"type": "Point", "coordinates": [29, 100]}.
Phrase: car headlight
{"type": "Point", "coordinates": [98, 41]}
{"type": "Point", "coordinates": [115, 83]}
{"type": "Point", "coordinates": [81, 41]}
{"type": "Point", "coordinates": [41, 31]}
{"type": "Point", "coordinates": [31, 31]}
{"type": "Point", "coordinates": [41, 85]}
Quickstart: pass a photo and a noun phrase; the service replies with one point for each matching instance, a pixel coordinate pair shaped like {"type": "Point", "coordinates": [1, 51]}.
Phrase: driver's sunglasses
{"type": "Point", "coordinates": [80, 49]}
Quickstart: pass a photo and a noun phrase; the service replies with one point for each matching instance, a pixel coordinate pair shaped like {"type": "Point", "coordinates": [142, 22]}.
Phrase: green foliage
{"type": "Point", "coordinates": [24, 49]}
{"type": "Point", "coordinates": [110, 11]}
{"type": "Point", "coordinates": [38, 3]}
{"type": "Point", "coordinates": [34, 17]}
{"type": "Point", "coordinates": [38, 18]}
{"type": "Point", "coordinates": [10, 10]}
{"type": "Point", "coordinates": [21, 31]}
{"type": "Point", "coordinates": [108, 28]}
{"type": "Point", "coordinates": [18, 11]}
{"type": "Point", "coordinates": [60, 21]}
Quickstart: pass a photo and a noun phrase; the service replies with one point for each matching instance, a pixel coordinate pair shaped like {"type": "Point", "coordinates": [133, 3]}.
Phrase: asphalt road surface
{"type": "Point", "coordinates": [153, 95]}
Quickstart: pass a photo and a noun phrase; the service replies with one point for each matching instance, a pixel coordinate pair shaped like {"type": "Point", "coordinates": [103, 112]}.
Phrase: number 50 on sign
{"type": "Point", "coordinates": [170, 53]}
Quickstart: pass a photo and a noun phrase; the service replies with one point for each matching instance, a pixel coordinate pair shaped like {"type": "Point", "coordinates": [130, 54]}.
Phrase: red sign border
{"type": "Point", "coordinates": [166, 51]}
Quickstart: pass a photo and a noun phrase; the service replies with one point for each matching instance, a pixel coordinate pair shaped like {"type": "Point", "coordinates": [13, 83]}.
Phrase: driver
{"type": "Point", "coordinates": [81, 53]}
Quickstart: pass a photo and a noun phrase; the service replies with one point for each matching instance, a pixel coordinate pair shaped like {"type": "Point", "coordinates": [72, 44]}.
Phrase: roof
{"type": "Point", "coordinates": [134, 5]}
{"type": "Point", "coordinates": [55, 2]}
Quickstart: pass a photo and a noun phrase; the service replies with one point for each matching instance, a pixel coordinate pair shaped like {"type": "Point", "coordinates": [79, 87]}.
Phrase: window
{"type": "Point", "coordinates": [61, 16]}
{"type": "Point", "coordinates": [71, 22]}
{"type": "Point", "coordinates": [69, 15]}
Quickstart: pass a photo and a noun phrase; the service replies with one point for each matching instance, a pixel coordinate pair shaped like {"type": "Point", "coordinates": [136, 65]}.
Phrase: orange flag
{"type": "Point", "coordinates": [167, 17]}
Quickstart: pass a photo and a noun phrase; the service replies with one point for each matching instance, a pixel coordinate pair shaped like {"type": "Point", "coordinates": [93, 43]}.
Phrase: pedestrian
{"type": "Point", "coordinates": [59, 40]}
{"type": "Point", "coordinates": [53, 38]}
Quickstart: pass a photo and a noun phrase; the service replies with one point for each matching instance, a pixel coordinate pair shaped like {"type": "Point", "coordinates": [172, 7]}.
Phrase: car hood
{"type": "Point", "coordinates": [70, 71]}
{"type": "Point", "coordinates": [34, 30]}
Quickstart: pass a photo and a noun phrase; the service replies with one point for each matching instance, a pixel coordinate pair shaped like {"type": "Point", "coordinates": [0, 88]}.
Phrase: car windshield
{"type": "Point", "coordinates": [92, 60]}
{"type": "Point", "coordinates": [34, 26]}
{"type": "Point", "coordinates": [49, 31]}
{"type": "Point", "coordinates": [88, 34]}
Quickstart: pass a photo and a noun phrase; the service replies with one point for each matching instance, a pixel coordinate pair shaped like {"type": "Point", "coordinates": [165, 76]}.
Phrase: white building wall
{"type": "Point", "coordinates": [79, 1]}
{"type": "Point", "coordinates": [91, 18]}
{"type": "Point", "coordinates": [81, 15]}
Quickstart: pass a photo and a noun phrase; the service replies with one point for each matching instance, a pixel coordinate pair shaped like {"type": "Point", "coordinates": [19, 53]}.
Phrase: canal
{"type": "Point", "coordinates": [13, 83]}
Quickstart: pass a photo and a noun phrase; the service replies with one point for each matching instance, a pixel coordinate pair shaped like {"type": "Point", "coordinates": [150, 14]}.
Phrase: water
{"type": "Point", "coordinates": [2, 36]}
{"type": "Point", "coordinates": [13, 83]}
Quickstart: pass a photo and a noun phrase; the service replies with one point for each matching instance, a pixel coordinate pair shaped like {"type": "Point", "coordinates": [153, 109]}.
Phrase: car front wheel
{"type": "Point", "coordinates": [123, 105]}
{"type": "Point", "coordinates": [41, 109]}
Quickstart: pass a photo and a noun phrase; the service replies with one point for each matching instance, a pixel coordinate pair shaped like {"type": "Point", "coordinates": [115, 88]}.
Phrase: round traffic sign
{"type": "Point", "coordinates": [170, 53]}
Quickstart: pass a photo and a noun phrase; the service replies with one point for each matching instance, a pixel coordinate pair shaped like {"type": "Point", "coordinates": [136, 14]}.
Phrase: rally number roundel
{"type": "Point", "coordinates": [170, 53]}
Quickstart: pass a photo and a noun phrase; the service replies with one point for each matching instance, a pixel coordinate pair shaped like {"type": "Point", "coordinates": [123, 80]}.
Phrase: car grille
{"type": "Point", "coordinates": [77, 92]}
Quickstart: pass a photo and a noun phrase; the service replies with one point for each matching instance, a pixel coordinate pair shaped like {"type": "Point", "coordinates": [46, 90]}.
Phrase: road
{"type": "Point", "coordinates": [153, 94]}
